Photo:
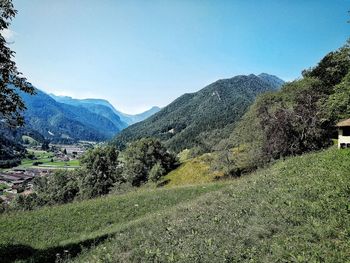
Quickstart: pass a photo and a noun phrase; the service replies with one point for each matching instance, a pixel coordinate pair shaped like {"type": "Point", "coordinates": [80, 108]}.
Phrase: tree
{"type": "Point", "coordinates": [45, 146]}
{"type": "Point", "coordinates": [337, 106]}
{"type": "Point", "coordinates": [100, 171]}
{"type": "Point", "coordinates": [11, 80]}
{"type": "Point", "coordinates": [58, 188]}
{"type": "Point", "coordinates": [332, 68]}
{"type": "Point", "coordinates": [156, 172]}
{"type": "Point", "coordinates": [143, 155]}
{"type": "Point", "coordinates": [292, 120]}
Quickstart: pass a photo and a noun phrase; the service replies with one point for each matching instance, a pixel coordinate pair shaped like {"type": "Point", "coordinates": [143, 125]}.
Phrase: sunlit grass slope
{"type": "Point", "coordinates": [43, 233]}
{"type": "Point", "coordinates": [192, 171]}
{"type": "Point", "coordinates": [295, 211]}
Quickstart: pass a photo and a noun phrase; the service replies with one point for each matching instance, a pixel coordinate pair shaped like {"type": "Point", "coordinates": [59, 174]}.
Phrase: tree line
{"type": "Point", "coordinates": [103, 170]}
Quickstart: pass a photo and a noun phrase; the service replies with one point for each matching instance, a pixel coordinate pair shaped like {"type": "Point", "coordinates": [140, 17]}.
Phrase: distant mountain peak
{"type": "Point", "coordinates": [127, 119]}
{"type": "Point", "coordinates": [273, 80]}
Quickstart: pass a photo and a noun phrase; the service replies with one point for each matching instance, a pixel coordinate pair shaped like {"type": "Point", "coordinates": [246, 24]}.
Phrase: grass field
{"type": "Point", "coordinates": [45, 158]}
{"type": "Point", "coordinates": [48, 230]}
{"type": "Point", "coordinates": [30, 140]}
{"type": "Point", "coordinates": [297, 210]}
{"type": "Point", "coordinates": [192, 171]}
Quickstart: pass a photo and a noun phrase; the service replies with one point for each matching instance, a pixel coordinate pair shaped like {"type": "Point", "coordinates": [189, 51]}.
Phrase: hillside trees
{"type": "Point", "coordinates": [338, 104]}
{"type": "Point", "coordinates": [11, 104]}
{"type": "Point", "coordinates": [298, 118]}
{"type": "Point", "coordinates": [60, 188]}
{"type": "Point", "coordinates": [101, 170]}
{"type": "Point", "coordinates": [145, 159]}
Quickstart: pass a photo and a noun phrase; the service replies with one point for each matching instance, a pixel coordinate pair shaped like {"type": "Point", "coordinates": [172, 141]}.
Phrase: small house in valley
{"type": "Point", "coordinates": [344, 134]}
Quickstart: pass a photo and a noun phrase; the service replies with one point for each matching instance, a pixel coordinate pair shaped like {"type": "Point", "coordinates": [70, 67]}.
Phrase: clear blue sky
{"type": "Point", "coordinates": [142, 53]}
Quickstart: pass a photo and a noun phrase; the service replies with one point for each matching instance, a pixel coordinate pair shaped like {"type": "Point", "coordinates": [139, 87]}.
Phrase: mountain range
{"type": "Point", "coordinates": [194, 118]}
{"type": "Point", "coordinates": [65, 119]}
{"type": "Point", "coordinates": [105, 108]}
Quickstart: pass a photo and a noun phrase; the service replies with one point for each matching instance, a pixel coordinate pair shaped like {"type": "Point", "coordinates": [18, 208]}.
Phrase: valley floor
{"type": "Point", "coordinates": [297, 210]}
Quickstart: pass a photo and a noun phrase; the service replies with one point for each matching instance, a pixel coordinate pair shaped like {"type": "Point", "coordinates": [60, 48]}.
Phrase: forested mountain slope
{"type": "Point", "coordinates": [58, 121]}
{"type": "Point", "coordinates": [96, 106]}
{"type": "Point", "coordinates": [186, 122]}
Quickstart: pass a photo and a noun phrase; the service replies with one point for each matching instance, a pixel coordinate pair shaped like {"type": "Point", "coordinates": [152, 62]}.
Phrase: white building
{"type": "Point", "coordinates": [344, 134]}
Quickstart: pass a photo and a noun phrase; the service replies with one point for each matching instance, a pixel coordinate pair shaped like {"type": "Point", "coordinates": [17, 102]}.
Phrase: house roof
{"type": "Point", "coordinates": [343, 123]}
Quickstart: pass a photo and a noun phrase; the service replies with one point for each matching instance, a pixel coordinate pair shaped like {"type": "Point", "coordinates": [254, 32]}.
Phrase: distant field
{"type": "Point", "coordinates": [30, 140]}
{"type": "Point", "coordinates": [45, 158]}
{"type": "Point", "coordinates": [295, 211]}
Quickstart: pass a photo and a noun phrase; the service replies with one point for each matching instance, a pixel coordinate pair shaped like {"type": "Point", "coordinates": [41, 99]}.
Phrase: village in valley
{"type": "Point", "coordinates": [39, 162]}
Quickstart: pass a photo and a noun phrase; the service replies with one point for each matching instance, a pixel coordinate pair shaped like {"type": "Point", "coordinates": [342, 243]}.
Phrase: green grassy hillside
{"type": "Point", "coordinates": [295, 211]}
{"type": "Point", "coordinates": [45, 232]}
{"type": "Point", "coordinates": [193, 171]}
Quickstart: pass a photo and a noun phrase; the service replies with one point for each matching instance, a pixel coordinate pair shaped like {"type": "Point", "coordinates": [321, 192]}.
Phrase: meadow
{"type": "Point", "coordinates": [54, 229]}
{"type": "Point", "coordinates": [296, 210]}
{"type": "Point", "coordinates": [45, 159]}
{"type": "Point", "coordinates": [192, 171]}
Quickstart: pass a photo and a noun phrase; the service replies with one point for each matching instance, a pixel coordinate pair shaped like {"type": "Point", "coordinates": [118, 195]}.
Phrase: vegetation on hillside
{"type": "Point", "coordinates": [296, 210]}
{"type": "Point", "coordinates": [198, 170]}
{"type": "Point", "coordinates": [198, 120]}
{"type": "Point", "coordinates": [147, 159]}
{"type": "Point", "coordinates": [102, 171]}
{"type": "Point", "coordinates": [297, 119]}
{"type": "Point", "coordinates": [73, 226]}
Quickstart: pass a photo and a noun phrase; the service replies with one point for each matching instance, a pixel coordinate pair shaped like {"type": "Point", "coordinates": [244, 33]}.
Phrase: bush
{"type": "Point", "coordinates": [27, 202]}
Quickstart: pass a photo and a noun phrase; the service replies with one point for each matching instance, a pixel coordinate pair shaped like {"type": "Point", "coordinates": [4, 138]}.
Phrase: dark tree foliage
{"type": "Point", "coordinates": [59, 188]}
{"type": "Point", "coordinates": [27, 202]}
{"type": "Point", "coordinates": [11, 151]}
{"type": "Point", "coordinates": [337, 106]}
{"type": "Point", "coordinates": [292, 121]}
{"type": "Point", "coordinates": [11, 104]}
{"type": "Point", "coordinates": [332, 68]}
{"type": "Point", "coordinates": [45, 146]}
{"type": "Point", "coordinates": [101, 170]}
{"type": "Point", "coordinates": [147, 159]}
